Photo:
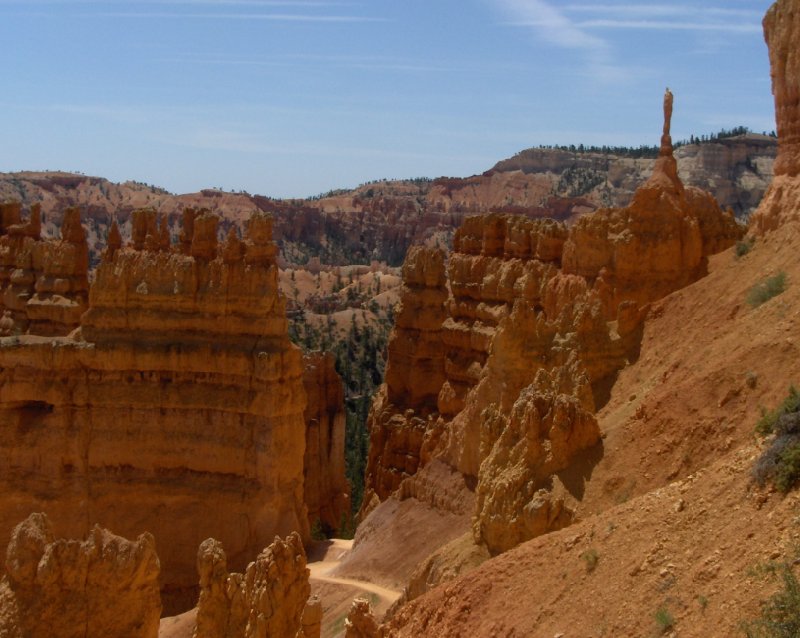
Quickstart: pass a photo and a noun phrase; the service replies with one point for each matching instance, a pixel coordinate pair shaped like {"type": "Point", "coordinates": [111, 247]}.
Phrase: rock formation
{"type": "Point", "coordinates": [102, 586]}
{"type": "Point", "coordinates": [327, 492]}
{"type": "Point", "coordinates": [780, 204]}
{"type": "Point", "coordinates": [44, 283]}
{"type": "Point", "coordinates": [360, 622]}
{"type": "Point", "coordinates": [268, 600]}
{"type": "Point", "coordinates": [176, 408]}
{"type": "Point", "coordinates": [312, 618]}
{"type": "Point", "coordinates": [539, 320]}
{"type": "Point", "coordinates": [415, 372]}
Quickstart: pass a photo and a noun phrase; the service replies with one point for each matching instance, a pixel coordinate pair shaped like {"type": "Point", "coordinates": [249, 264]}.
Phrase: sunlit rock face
{"type": "Point", "coordinates": [177, 407]}
{"type": "Point", "coordinates": [537, 320]}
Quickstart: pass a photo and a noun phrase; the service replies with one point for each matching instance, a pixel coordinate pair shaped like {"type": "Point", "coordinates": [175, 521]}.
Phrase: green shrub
{"type": "Point", "coordinates": [780, 462]}
{"type": "Point", "coordinates": [766, 290]}
{"type": "Point", "coordinates": [766, 424]}
{"type": "Point", "coordinates": [780, 614]}
{"type": "Point", "coordinates": [787, 473]}
{"type": "Point", "coordinates": [664, 620]}
{"type": "Point", "coordinates": [744, 246]}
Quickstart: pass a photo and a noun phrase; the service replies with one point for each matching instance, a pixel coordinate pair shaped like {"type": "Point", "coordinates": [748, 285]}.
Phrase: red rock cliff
{"type": "Point", "coordinates": [327, 492]}
{"type": "Point", "coordinates": [177, 408]}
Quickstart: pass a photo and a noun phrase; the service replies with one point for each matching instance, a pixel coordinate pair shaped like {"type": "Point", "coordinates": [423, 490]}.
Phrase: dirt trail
{"type": "Point", "coordinates": [336, 593]}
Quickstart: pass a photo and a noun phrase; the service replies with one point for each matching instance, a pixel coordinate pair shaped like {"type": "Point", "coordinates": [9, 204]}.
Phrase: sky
{"type": "Point", "coordinates": [290, 98]}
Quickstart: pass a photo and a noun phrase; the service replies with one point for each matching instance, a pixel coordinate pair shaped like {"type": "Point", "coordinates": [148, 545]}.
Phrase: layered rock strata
{"type": "Point", "coordinates": [176, 408]}
{"type": "Point", "coordinates": [327, 492]}
{"type": "Point", "coordinates": [267, 600]}
{"type": "Point", "coordinates": [102, 586]}
{"type": "Point", "coordinates": [44, 284]}
{"type": "Point", "coordinates": [538, 321]}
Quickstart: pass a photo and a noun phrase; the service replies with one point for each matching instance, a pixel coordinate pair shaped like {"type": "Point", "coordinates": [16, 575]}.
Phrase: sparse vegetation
{"type": "Point", "coordinates": [590, 557]}
{"type": "Point", "coordinates": [780, 462]}
{"type": "Point", "coordinates": [360, 353]}
{"type": "Point", "coordinates": [702, 601]}
{"type": "Point", "coordinates": [664, 620]}
{"type": "Point", "coordinates": [766, 290]}
{"type": "Point", "coordinates": [744, 246]}
{"type": "Point", "coordinates": [780, 614]}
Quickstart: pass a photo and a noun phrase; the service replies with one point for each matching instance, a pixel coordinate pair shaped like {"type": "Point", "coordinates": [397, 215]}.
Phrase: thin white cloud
{"type": "Point", "coordinates": [664, 25]}
{"type": "Point", "coordinates": [550, 24]}
{"type": "Point", "coordinates": [662, 10]}
{"type": "Point", "coordinates": [271, 17]}
{"type": "Point", "coordinates": [221, 3]}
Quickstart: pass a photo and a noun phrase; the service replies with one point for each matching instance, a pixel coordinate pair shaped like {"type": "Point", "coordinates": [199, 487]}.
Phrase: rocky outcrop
{"type": "Point", "coordinates": [327, 492]}
{"type": "Point", "coordinates": [267, 600]}
{"type": "Point", "coordinates": [360, 622]}
{"type": "Point", "coordinates": [539, 320]}
{"type": "Point", "coordinates": [782, 201]}
{"type": "Point", "coordinates": [312, 619]}
{"type": "Point", "coordinates": [44, 283]}
{"type": "Point", "coordinates": [658, 244]}
{"type": "Point", "coordinates": [176, 408]}
{"type": "Point", "coordinates": [102, 586]}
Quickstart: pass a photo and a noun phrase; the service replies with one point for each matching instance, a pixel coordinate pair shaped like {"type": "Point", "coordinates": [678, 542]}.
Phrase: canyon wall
{"type": "Point", "coordinates": [326, 490]}
{"type": "Point", "coordinates": [177, 407]}
{"type": "Point", "coordinates": [538, 320]}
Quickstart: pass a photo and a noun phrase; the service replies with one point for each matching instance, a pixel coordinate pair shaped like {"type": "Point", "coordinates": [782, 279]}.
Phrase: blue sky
{"type": "Point", "coordinates": [291, 98]}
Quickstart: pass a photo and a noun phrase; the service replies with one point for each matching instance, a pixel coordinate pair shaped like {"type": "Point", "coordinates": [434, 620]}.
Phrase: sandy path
{"type": "Point", "coordinates": [321, 569]}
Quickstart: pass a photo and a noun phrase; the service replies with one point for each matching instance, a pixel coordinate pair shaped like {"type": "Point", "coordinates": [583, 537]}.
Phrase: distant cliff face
{"type": "Point", "coordinates": [381, 221]}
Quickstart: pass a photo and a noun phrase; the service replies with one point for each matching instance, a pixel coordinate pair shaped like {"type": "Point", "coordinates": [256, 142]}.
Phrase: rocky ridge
{"type": "Point", "coordinates": [538, 322]}
{"type": "Point", "coordinates": [537, 183]}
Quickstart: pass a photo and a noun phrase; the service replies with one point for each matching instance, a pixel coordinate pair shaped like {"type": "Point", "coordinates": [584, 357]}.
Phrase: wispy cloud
{"type": "Point", "coordinates": [666, 17]}
{"type": "Point", "coordinates": [550, 24]}
{"type": "Point", "coordinates": [662, 10]}
{"type": "Point", "coordinates": [208, 3]}
{"type": "Point", "coordinates": [272, 17]}
{"type": "Point", "coordinates": [665, 25]}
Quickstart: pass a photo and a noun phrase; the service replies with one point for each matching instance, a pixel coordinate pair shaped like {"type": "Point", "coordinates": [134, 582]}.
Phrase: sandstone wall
{"type": "Point", "coordinates": [102, 586]}
{"type": "Point", "coordinates": [177, 408]}
{"type": "Point", "coordinates": [326, 489]}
